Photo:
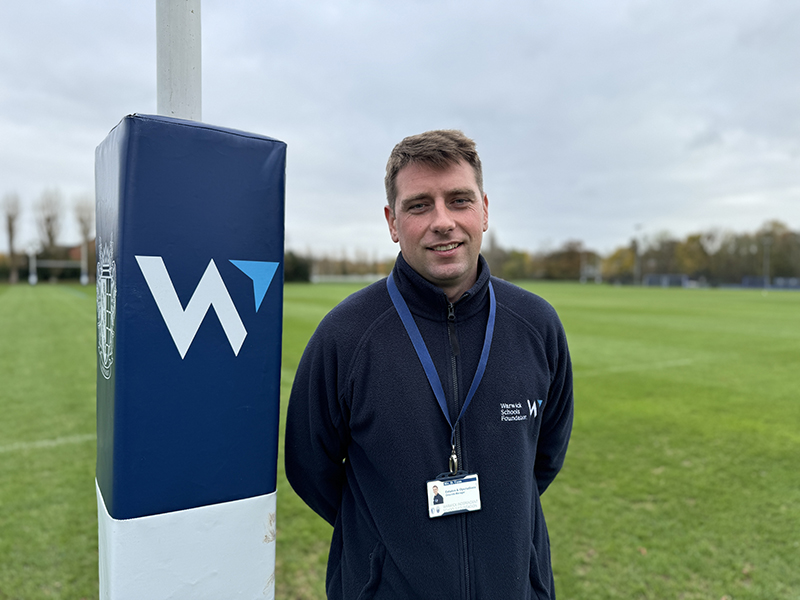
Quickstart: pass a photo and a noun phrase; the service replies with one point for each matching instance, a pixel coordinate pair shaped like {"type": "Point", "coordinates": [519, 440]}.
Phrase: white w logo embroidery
{"type": "Point", "coordinates": [533, 408]}
{"type": "Point", "coordinates": [183, 324]}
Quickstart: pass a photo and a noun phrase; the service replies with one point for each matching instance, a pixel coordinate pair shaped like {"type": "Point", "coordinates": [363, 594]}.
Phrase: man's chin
{"type": "Point", "coordinates": [453, 276]}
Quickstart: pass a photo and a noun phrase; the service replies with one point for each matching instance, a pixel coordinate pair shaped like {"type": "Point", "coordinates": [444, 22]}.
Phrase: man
{"type": "Point", "coordinates": [437, 497]}
{"type": "Point", "coordinates": [440, 372]}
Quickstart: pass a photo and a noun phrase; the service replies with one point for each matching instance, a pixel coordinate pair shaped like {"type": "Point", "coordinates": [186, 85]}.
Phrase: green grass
{"type": "Point", "coordinates": [48, 522]}
{"type": "Point", "coordinates": [682, 479]}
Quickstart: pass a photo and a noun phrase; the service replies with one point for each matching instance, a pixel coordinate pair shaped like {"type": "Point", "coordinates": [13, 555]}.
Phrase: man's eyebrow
{"type": "Point", "coordinates": [462, 192]}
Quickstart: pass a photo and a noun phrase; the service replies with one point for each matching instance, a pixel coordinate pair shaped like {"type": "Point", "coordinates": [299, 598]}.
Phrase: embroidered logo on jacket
{"type": "Point", "coordinates": [515, 411]}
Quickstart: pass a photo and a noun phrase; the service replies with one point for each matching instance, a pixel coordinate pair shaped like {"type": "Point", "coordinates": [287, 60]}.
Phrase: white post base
{"type": "Point", "coordinates": [220, 551]}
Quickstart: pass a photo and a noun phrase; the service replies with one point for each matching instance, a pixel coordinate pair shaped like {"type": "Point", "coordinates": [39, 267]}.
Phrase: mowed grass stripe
{"type": "Point", "coordinates": [628, 368]}
{"type": "Point", "coordinates": [53, 443]}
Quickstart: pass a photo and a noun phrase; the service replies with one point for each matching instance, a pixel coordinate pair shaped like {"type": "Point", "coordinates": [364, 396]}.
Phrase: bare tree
{"type": "Point", "coordinates": [11, 207]}
{"type": "Point", "coordinates": [84, 213]}
{"type": "Point", "coordinates": [48, 218]}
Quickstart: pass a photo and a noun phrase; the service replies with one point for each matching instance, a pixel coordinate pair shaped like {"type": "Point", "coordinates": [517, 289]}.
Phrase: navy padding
{"type": "Point", "coordinates": [179, 433]}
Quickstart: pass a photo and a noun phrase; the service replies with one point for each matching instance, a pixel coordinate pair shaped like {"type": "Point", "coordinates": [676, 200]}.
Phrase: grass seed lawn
{"type": "Point", "coordinates": [681, 481]}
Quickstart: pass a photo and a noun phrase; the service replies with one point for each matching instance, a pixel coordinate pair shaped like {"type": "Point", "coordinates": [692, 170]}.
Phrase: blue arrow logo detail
{"type": "Point", "coordinates": [261, 272]}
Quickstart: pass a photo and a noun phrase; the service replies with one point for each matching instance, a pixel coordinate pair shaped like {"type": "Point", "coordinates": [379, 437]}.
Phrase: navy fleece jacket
{"type": "Point", "coordinates": [365, 433]}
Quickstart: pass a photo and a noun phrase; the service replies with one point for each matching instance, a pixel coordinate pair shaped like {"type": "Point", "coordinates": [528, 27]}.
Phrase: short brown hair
{"type": "Point", "coordinates": [438, 149]}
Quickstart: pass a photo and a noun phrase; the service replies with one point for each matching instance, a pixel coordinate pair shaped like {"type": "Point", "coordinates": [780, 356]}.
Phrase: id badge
{"type": "Point", "coordinates": [452, 495]}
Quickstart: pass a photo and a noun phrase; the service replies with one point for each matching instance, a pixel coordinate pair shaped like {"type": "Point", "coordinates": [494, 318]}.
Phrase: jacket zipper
{"type": "Point", "coordinates": [455, 351]}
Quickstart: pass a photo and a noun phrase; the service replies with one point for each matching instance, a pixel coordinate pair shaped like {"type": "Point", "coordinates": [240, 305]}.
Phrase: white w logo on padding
{"type": "Point", "coordinates": [183, 324]}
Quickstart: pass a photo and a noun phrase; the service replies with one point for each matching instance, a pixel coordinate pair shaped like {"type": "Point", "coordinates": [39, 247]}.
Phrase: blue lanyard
{"type": "Point", "coordinates": [425, 357]}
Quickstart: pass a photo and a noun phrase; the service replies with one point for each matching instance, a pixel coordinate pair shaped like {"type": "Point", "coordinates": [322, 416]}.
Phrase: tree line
{"type": "Point", "coordinates": [713, 257]}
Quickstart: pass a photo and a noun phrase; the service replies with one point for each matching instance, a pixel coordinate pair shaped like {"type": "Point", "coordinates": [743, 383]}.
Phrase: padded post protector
{"type": "Point", "coordinates": [190, 238]}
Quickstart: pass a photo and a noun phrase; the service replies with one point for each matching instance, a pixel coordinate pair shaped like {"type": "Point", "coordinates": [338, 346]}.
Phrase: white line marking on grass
{"type": "Point", "coordinates": [664, 364]}
{"type": "Point", "coordinates": [54, 443]}
{"type": "Point", "coordinates": [74, 292]}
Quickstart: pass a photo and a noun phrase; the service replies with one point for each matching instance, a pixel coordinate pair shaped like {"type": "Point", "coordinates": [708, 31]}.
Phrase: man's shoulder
{"type": "Point", "coordinates": [524, 303]}
{"type": "Point", "coordinates": [369, 298]}
{"type": "Point", "coordinates": [524, 311]}
{"type": "Point", "coordinates": [357, 312]}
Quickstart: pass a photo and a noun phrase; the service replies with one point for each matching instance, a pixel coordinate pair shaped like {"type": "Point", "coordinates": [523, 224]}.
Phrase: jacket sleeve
{"type": "Point", "coordinates": [556, 418]}
{"type": "Point", "coordinates": [316, 442]}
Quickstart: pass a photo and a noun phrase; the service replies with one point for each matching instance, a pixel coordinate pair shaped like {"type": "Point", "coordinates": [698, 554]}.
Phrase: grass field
{"type": "Point", "coordinates": [682, 479]}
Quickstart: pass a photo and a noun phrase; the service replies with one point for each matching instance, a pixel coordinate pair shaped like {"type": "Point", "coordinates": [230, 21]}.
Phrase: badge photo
{"type": "Point", "coordinates": [453, 495]}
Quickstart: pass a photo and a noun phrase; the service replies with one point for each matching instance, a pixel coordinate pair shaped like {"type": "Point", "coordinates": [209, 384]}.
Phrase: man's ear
{"type": "Point", "coordinates": [391, 221]}
{"type": "Point", "coordinates": [485, 212]}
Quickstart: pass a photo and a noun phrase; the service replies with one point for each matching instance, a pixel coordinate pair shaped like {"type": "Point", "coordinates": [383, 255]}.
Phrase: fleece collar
{"type": "Point", "coordinates": [426, 300]}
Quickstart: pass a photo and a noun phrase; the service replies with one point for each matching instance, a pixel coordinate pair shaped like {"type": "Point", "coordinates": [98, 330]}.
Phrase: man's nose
{"type": "Point", "coordinates": [442, 221]}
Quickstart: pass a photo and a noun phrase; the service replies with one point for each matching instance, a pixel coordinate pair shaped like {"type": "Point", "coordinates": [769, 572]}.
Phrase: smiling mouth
{"type": "Point", "coordinates": [446, 247]}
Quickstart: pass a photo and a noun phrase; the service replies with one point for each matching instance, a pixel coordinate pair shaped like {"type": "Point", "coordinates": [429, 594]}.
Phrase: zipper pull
{"type": "Point", "coordinates": [453, 461]}
{"type": "Point", "coordinates": [451, 329]}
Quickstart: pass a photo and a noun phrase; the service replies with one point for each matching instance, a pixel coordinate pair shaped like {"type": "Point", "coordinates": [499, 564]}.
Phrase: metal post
{"type": "Point", "coordinates": [178, 57]}
{"type": "Point", "coordinates": [637, 259]}
{"type": "Point", "coordinates": [84, 263]}
{"type": "Point", "coordinates": [33, 276]}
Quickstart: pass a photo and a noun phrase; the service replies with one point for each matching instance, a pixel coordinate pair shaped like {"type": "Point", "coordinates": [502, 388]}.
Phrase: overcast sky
{"type": "Point", "coordinates": [594, 119]}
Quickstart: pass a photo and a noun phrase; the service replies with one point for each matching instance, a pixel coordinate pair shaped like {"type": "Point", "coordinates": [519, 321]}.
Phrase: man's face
{"type": "Point", "coordinates": [439, 219]}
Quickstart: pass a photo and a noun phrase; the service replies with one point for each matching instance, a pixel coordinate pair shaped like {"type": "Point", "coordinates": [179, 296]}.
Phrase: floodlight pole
{"type": "Point", "coordinates": [178, 57]}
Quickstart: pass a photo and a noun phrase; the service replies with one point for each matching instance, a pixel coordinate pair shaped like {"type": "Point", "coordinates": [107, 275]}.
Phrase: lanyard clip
{"type": "Point", "coordinates": [453, 461]}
